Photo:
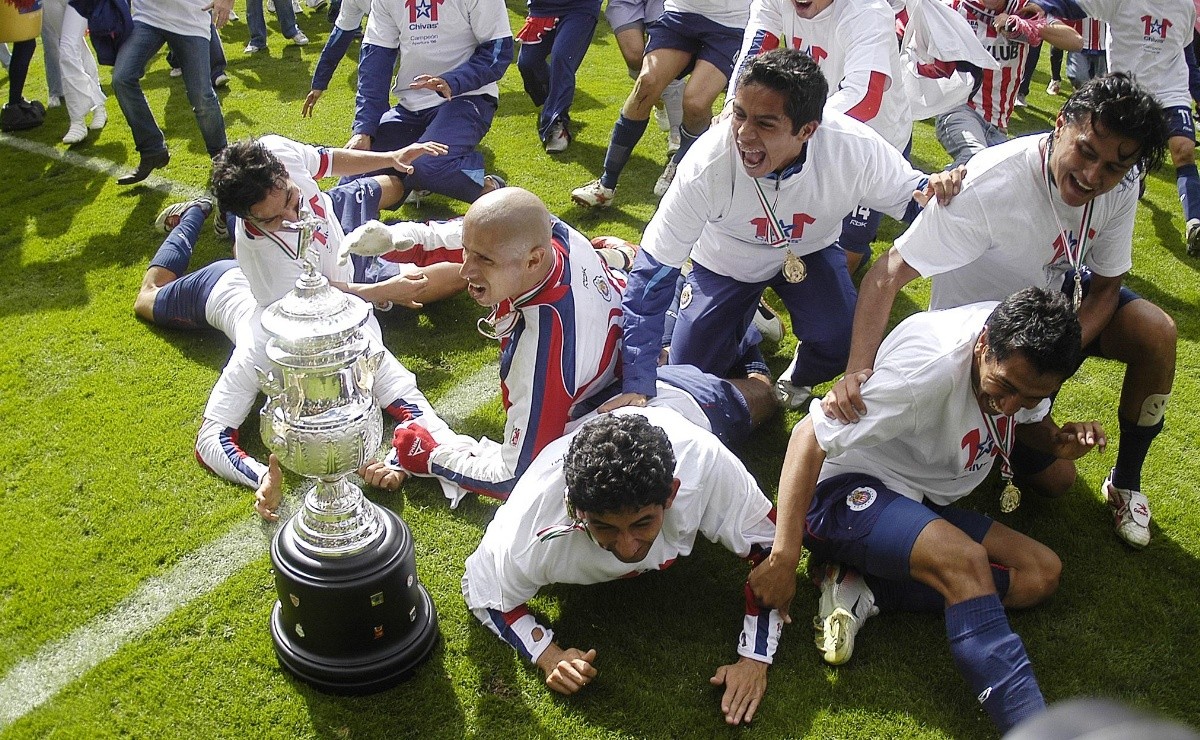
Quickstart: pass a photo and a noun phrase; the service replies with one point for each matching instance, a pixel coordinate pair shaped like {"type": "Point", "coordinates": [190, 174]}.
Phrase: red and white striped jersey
{"type": "Point", "coordinates": [997, 95]}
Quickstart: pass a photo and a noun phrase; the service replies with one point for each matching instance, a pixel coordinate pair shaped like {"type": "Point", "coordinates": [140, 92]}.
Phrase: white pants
{"type": "Point", "coordinates": [81, 77]}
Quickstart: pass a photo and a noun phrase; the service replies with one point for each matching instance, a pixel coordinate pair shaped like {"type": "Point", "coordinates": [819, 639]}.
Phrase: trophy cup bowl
{"type": "Point", "coordinates": [352, 616]}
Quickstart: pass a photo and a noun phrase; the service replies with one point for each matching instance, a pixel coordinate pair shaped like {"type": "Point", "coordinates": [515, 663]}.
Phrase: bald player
{"type": "Point", "coordinates": [555, 309]}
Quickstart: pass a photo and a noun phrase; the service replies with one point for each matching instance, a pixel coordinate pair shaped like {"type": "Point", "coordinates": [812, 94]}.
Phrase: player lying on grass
{"type": "Point", "coordinates": [640, 484]}
{"type": "Point", "coordinates": [1076, 195]}
{"type": "Point", "coordinates": [872, 501]}
{"type": "Point", "coordinates": [225, 297]}
{"type": "Point", "coordinates": [556, 311]}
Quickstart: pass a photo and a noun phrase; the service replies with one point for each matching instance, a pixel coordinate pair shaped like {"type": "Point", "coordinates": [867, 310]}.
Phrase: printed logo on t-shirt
{"type": "Point", "coordinates": [793, 231]}
{"type": "Point", "coordinates": [1156, 28]}
{"type": "Point", "coordinates": [418, 9]}
{"type": "Point", "coordinates": [861, 498]}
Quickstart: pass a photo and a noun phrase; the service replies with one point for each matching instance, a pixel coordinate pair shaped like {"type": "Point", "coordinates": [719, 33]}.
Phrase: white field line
{"type": "Point", "coordinates": [103, 166]}
{"type": "Point", "coordinates": [37, 679]}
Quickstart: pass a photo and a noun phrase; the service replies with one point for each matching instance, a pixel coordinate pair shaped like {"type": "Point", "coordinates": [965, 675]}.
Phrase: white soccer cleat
{"type": "Point", "coordinates": [75, 134]}
{"type": "Point", "coordinates": [1054, 88]}
{"type": "Point", "coordinates": [846, 604]}
{"type": "Point", "coordinates": [373, 239]}
{"type": "Point", "coordinates": [559, 138]}
{"type": "Point", "coordinates": [615, 251]}
{"type": "Point", "coordinates": [665, 179]}
{"type": "Point", "coordinates": [768, 322]}
{"type": "Point", "coordinates": [792, 397]}
{"type": "Point", "coordinates": [168, 218]}
{"type": "Point", "coordinates": [593, 195]}
{"type": "Point", "coordinates": [1131, 513]}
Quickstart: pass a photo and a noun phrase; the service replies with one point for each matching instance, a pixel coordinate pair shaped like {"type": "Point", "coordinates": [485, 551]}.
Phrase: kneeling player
{"type": "Point", "coordinates": [873, 498]}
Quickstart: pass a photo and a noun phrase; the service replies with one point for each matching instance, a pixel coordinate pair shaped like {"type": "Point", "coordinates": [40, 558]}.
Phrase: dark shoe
{"type": "Point", "coordinates": [22, 116]}
{"type": "Point", "coordinates": [148, 164]}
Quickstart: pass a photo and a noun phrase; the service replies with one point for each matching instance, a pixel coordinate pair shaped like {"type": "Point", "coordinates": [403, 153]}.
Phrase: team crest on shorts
{"type": "Point", "coordinates": [861, 498]}
{"type": "Point", "coordinates": [685, 296]}
{"type": "Point", "coordinates": [601, 285]}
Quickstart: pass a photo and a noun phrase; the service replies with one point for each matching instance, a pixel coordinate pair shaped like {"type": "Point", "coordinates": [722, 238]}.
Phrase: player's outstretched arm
{"type": "Point", "coordinates": [774, 580]}
{"type": "Point", "coordinates": [567, 671]}
{"type": "Point", "coordinates": [876, 295]}
{"type": "Point", "coordinates": [745, 683]}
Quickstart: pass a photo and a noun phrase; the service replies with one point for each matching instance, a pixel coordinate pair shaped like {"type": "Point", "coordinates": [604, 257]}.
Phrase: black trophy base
{"type": "Point", "coordinates": [351, 625]}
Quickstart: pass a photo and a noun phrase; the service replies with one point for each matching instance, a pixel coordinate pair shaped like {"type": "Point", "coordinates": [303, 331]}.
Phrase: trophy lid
{"type": "Point", "coordinates": [314, 316]}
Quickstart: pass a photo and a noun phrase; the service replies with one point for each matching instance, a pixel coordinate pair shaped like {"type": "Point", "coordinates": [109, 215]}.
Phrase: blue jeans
{"type": "Point", "coordinates": [216, 54]}
{"type": "Point", "coordinates": [193, 55]}
{"type": "Point", "coordinates": [258, 23]}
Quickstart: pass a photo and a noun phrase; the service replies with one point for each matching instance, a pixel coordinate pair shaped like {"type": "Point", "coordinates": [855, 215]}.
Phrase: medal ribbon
{"type": "Point", "coordinates": [775, 233]}
{"type": "Point", "coordinates": [1004, 443]}
{"type": "Point", "coordinates": [1074, 254]}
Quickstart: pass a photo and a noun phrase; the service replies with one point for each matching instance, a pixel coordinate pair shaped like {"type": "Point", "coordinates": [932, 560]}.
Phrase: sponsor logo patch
{"type": "Point", "coordinates": [861, 498]}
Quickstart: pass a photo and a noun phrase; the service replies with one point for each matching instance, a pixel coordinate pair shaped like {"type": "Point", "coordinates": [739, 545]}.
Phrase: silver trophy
{"type": "Point", "coordinates": [352, 616]}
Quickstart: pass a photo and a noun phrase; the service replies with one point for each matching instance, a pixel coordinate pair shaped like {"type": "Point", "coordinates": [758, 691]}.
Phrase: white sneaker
{"type": "Point", "coordinates": [768, 322]}
{"type": "Point", "coordinates": [558, 138]}
{"type": "Point", "coordinates": [1020, 102]}
{"type": "Point", "coordinates": [664, 180]}
{"type": "Point", "coordinates": [99, 117]}
{"type": "Point", "coordinates": [792, 397]}
{"type": "Point", "coordinates": [75, 134]}
{"type": "Point", "coordinates": [660, 117]}
{"type": "Point", "coordinates": [175, 72]}
{"type": "Point", "coordinates": [846, 604]}
{"type": "Point", "coordinates": [299, 39]}
{"type": "Point", "coordinates": [1131, 513]}
{"type": "Point", "coordinates": [221, 80]}
{"type": "Point", "coordinates": [168, 218]}
{"type": "Point", "coordinates": [1192, 237]}
{"type": "Point", "coordinates": [1054, 88]}
{"type": "Point", "coordinates": [593, 195]}
{"type": "Point", "coordinates": [233, 16]}
{"type": "Point", "coordinates": [252, 49]}
{"type": "Point", "coordinates": [270, 6]}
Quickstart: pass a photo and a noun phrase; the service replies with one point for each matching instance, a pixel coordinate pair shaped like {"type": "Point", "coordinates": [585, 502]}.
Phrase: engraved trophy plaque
{"type": "Point", "coordinates": [352, 617]}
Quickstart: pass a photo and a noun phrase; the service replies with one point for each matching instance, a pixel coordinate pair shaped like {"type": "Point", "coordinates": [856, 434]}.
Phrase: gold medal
{"type": "Point", "coordinates": [794, 270]}
{"type": "Point", "coordinates": [1010, 499]}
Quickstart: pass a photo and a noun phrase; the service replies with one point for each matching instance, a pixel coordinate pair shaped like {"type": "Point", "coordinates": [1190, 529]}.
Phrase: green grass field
{"type": "Point", "coordinates": [135, 587]}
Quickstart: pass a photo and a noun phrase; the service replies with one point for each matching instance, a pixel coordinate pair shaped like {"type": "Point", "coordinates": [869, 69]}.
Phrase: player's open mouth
{"type": "Point", "coordinates": [1075, 181]}
{"type": "Point", "coordinates": [475, 291]}
{"type": "Point", "coordinates": [752, 158]}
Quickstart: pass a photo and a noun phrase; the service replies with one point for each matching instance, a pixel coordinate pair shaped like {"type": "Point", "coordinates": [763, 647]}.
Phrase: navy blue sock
{"type": "Point", "coordinates": [625, 136]}
{"type": "Point", "coordinates": [913, 596]}
{"type": "Point", "coordinates": [1135, 445]}
{"type": "Point", "coordinates": [992, 659]}
{"type": "Point", "coordinates": [1187, 181]}
{"type": "Point", "coordinates": [686, 139]}
{"type": "Point", "coordinates": [175, 253]}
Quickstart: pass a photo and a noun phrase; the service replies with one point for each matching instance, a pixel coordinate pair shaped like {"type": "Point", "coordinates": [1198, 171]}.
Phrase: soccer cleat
{"type": "Point", "coordinates": [768, 322]}
{"type": "Point", "coordinates": [664, 180]}
{"type": "Point", "coordinates": [593, 195]}
{"type": "Point", "coordinates": [99, 117]}
{"type": "Point", "coordinates": [790, 396]}
{"type": "Point", "coordinates": [617, 253]}
{"type": "Point", "coordinates": [660, 116]}
{"type": "Point", "coordinates": [846, 604]}
{"type": "Point", "coordinates": [1054, 88]}
{"type": "Point", "coordinates": [75, 134]}
{"type": "Point", "coordinates": [168, 218]}
{"type": "Point", "coordinates": [299, 39]}
{"type": "Point", "coordinates": [221, 80]}
{"type": "Point", "coordinates": [1193, 237]}
{"type": "Point", "coordinates": [175, 72]}
{"type": "Point", "coordinates": [1131, 513]}
{"type": "Point", "coordinates": [558, 138]}
{"type": "Point", "coordinates": [252, 49]}
{"type": "Point", "coordinates": [221, 226]}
